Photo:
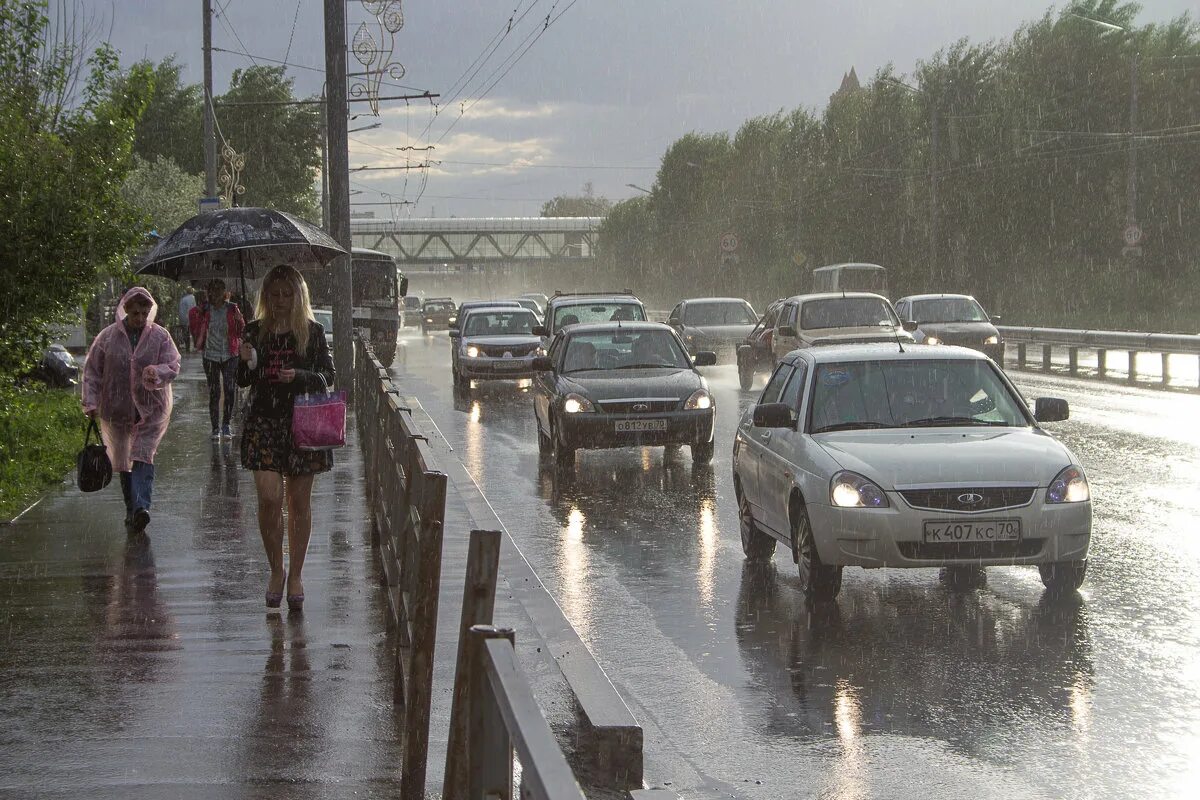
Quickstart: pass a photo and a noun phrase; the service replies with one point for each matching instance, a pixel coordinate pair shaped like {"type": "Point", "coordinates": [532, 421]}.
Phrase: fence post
{"type": "Point", "coordinates": [1073, 360]}
{"type": "Point", "coordinates": [479, 601]}
{"type": "Point", "coordinates": [1166, 368]}
{"type": "Point", "coordinates": [1132, 366]}
{"type": "Point", "coordinates": [1047, 352]}
{"type": "Point", "coordinates": [1101, 363]}
{"type": "Point", "coordinates": [490, 747]}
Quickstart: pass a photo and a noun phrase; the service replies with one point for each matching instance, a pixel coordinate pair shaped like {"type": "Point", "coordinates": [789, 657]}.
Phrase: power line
{"type": "Point", "coordinates": [228, 25]}
{"type": "Point", "coordinates": [292, 35]}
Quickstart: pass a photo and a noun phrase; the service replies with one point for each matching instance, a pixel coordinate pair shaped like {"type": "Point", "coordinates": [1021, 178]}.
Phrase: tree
{"type": "Point", "coordinates": [165, 194]}
{"type": "Point", "coordinates": [63, 219]}
{"type": "Point", "coordinates": [576, 206]}
{"type": "Point", "coordinates": [171, 126]}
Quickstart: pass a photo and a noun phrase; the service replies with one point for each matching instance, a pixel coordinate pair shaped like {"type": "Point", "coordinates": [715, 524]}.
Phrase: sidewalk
{"type": "Point", "coordinates": [145, 667]}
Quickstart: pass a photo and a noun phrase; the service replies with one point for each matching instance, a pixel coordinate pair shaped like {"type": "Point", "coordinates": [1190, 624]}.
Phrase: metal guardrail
{"type": "Point", "coordinates": [406, 497]}
{"type": "Point", "coordinates": [1132, 342]}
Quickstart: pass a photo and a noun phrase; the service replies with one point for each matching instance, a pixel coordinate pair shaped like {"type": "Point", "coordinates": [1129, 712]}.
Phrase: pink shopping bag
{"type": "Point", "coordinates": [319, 421]}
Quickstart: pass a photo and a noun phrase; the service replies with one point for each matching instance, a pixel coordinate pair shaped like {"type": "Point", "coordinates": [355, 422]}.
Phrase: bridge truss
{"type": "Point", "coordinates": [480, 241]}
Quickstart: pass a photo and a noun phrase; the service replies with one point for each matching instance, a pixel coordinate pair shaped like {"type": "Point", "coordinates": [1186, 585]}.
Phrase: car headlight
{"type": "Point", "coordinates": [932, 340]}
{"type": "Point", "coordinates": [851, 490]}
{"type": "Point", "coordinates": [472, 351]}
{"type": "Point", "coordinates": [429, 319]}
{"type": "Point", "coordinates": [992, 340]}
{"type": "Point", "coordinates": [700, 399]}
{"type": "Point", "coordinates": [453, 319]}
{"type": "Point", "coordinates": [576, 403]}
{"type": "Point", "coordinates": [1070, 486]}
{"type": "Point", "coordinates": [541, 351]}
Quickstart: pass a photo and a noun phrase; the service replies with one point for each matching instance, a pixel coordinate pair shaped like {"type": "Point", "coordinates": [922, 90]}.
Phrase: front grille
{"type": "Point", "coordinates": [991, 498]}
{"type": "Point", "coordinates": [498, 350]}
{"type": "Point", "coordinates": [627, 406]}
{"type": "Point", "coordinates": [944, 550]}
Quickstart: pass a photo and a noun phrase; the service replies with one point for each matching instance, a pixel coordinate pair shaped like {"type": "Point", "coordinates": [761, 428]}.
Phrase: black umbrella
{"type": "Point", "coordinates": [239, 242]}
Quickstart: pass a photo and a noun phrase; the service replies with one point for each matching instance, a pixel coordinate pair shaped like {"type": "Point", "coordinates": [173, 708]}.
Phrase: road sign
{"type": "Point", "coordinates": [1132, 235]}
{"type": "Point", "coordinates": [729, 242]}
{"type": "Point", "coordinates": [208, 204]}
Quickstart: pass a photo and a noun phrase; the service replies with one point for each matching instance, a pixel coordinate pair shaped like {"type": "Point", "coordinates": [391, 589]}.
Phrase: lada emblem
{"type": "Point", "coordinates": [640, 407]}
{"type": "Point", "coordinates": [970, 498]}
{"type": "Point", "coordinates": [508, 354]}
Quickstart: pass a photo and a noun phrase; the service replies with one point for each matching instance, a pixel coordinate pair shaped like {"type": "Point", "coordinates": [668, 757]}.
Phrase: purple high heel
{"type": "Point", "coordinates": [295, 602]}
{"type": "Point", "coordinates": [274, 599]}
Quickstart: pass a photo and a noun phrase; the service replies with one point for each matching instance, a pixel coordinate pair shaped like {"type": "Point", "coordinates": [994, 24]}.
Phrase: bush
{"type": "Point", "coordinates": [40, 433]}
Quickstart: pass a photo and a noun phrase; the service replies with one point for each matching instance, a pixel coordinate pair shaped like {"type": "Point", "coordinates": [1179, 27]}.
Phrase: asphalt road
{"type": "Point", "coordinates": [903, 688]}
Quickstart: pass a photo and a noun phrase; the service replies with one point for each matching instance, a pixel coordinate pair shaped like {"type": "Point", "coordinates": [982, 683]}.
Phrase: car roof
{"type": "Point", "coordinates": [936, 297]}
{"type": "Point", "coordinates": [849, 265]}
{"type": "Point", "coordinates": [884, 351]}
{"type": "Point", "coordinates": [603, 327]}
{"type": "Point", "coordinates": [478, 303]}
{"type": "Point", "coordinates": [366, 252]}
{"type": "Point", "coordinates": [500, 307]}
{"type": "Point", "coordinates": [588, 300]}
{"type": "Point", "coordinates": [803, 298]}
{"type": "Point", "coordinates": [439, 299]}
{"type": "Point", "coordinates": [715, 300]}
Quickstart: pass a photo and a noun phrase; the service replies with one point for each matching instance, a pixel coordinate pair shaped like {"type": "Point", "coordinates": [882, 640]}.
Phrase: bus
{"type": "Point", "coordinates": [378, 287]}
{"type": "Point", "coordinates": [850, 278]}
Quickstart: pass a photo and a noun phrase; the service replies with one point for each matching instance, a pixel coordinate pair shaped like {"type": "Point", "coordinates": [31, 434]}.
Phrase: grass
{"type": "Point", "coordinates": [41, 430]}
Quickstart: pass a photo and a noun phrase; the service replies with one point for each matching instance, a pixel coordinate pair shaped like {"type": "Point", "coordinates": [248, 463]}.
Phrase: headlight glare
{"type": "Point", "coordinates": [992, 340]}
{"type": "Point", "coordinates": [472, 351]}
{"type": "Point", "coordinates": [577, 403]}
{"type": "Point", "coordinates": [700, 399]}
{"type": "Point", "coordinates": [1070, 486]}
{"type": "Point", "coordinates": [851, 490]}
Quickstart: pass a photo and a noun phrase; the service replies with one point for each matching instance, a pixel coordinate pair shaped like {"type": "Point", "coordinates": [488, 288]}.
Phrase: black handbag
{"type": "Point", "coordinates": [93, 470]}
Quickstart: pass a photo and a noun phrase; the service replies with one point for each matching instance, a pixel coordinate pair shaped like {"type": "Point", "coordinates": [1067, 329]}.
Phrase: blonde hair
{"type": "Point", "coordinates": [301, 304]}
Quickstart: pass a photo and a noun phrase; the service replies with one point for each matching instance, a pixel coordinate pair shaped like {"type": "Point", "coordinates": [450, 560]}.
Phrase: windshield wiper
{"type": "Point", "coordinates": [933, 422]}
{"type": "Point", "coordinates": [849, 426]}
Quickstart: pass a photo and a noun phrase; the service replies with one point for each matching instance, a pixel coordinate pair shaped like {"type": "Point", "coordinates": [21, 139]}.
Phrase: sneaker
{"type": "Point", "coordinates": [141, 518]}
{"type": "Point", "coordinates": [216, 434]}
{"type": "Point", "coordinates": [226, 433]}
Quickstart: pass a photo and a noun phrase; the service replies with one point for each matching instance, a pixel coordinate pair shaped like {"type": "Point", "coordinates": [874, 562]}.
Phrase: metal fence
{"type": "Point", "coordinates": [1131, 342]}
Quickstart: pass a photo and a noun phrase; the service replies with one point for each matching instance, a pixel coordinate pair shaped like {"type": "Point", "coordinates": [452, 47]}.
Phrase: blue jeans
{"type": "Point", "coordinates": [137, 486]}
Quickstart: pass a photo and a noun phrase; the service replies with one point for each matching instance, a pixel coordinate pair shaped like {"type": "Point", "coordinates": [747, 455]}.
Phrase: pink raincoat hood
{"type": "Point", "coordinates": [137, 291]}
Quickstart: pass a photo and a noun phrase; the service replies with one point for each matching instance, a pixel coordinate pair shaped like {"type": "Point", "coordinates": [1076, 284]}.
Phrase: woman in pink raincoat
{"type": "Point", "coordinates": [127, 387]}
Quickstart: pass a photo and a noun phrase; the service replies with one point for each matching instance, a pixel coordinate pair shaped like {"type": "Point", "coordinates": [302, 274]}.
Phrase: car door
{"type": "Point", "coordinates": [753, 441]}
{"type": "Point", "coordinates": [782, 345]}
{"type": "Point", "coordinates": [543, 387]}
{"type": "Point", "coordinates": [781, 456]}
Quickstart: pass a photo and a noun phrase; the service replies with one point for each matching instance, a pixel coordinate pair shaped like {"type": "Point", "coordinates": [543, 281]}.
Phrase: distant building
{"type": "Point", "coordinates": [849, 84]}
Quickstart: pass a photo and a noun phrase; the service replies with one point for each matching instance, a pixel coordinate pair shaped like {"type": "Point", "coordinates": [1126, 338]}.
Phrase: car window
{"type": "Point", "coordinates": [789, 315]}
{"type": "Point", "coordinates": [617, 350]}
{"type": "Point", "coordinates": [846, 312]}
{"type": "Point", "coordinates": [795, 387]}
{"type": "Point", "coordinates": [774, 387]}
{"type": "Point", "coordinates": [325, 318]}
{"type": "Point", "coordinates": [770, 317]}
{"type": "Point", "coordinates": [518, 322]}
{"type": "Point", "coordinates": [734, 313]}
{"type": "Point", "coordinates": [577, 313]}
{"type": "Point", "coordinates": [675, 312]}
{"type": "Point", "coordinates": [438, 306]}
{"type": "Point", "coordinates": [948, 309]}
{"type": "Point", "coordinates": [912, 393]}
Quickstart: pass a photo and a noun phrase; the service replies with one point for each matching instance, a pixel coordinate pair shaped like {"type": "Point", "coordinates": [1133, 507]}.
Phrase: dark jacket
{"type": "Point", "coordinates": [275, 352]}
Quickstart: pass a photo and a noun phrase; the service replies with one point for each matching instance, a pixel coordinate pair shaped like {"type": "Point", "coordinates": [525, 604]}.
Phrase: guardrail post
{"type": "Point", "coordinates": [1021, 355]}
{"type": "Point", "coordinates": [479, 602]}
{"type": "Point", "coordinates": [1101, 363]}
{"type": "Point", "coordinates": [1132, 366]}
{"type": "Point", "coordinates": [490, 747]}
{"type": "Point", "coordinates": [1166, 368]}
{"type": "Point", "coordinates": [1073, 360]}
{"type": "Point", "coordinates": [1047, 352]}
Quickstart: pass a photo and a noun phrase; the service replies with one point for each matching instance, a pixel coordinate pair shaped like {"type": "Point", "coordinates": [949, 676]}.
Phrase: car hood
{"type": "Point", "coordinates": [951, 332]}
{"type": "Point", "coordinates": [724, 333]}
{"type": "Point", "coordinates": [869, 333]}
{"type": "Point", "coordinates": [612, 384]}
{"type": "Point", "coordinates": [1012, 456]}
{"type": "Point", "coordinates": [501, 341]}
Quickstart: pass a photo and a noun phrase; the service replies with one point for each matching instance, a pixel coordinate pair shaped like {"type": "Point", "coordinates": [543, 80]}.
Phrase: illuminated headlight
{"type": "Point", "coordinates": [932, 340]}
{"type": "Point", "coordinates": [541, 351]}
{"type": "Point", "coordinates": [992, 340]}
{"type": "Point", "coordinates": [851, 490]}
{"type": "Point", "coordinates": [576, 403]}
{"type": "Point", "coordinates": [472, 351]}
{"type": "Point", "coordinates": [429, 319]}
{"type": "Point", "coordinates": [1070, 486]}
{"type": "Point", "coordinates": [700, 399]}
{"type": "Point", "coordinates": [453, 320]}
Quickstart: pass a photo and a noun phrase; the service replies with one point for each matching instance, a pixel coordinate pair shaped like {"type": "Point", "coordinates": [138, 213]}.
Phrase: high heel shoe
{"type": "Point", "coordinates": [274, 599]}
{"type": "Point", "coordinates": [295, 602]}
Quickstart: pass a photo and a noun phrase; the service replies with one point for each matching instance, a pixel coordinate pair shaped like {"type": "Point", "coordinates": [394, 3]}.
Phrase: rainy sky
{"type": "Point", "coordinates": [596, 98]}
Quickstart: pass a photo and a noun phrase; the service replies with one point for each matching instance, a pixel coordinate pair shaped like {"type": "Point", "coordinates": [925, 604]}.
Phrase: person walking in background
{"type": "Point", "coordinates": [220, 325]}
{"type": "Point", "coordinates": [195, 315]}
{"type": "Point", "coordinates": [284, 354]}
{"type": "Point", "coordinates": [183, 329]}
{"type": "Point", "coordinates": [127, 387]}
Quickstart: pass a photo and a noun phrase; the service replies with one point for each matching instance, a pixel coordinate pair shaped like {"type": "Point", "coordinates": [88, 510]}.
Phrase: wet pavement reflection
{"type": "Point", "coordinates": [902, 688]}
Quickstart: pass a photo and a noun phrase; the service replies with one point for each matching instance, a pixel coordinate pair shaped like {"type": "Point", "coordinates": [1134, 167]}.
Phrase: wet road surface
{"type": "Point", "coordinates": [901, 689]}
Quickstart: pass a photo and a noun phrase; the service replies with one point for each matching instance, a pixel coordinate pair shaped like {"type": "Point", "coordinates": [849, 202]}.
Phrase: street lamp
{"type": "Point", "coordinates": [640, 189]}
{"type": "Point", "coordinates": [372, 126]}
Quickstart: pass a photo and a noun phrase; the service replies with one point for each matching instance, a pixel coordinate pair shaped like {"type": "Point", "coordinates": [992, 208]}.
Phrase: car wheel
{"type": "Point", "coordinates": [545, 445]}
{"type": "Point", "coordinates": [819, 581]}
{"type": "Point", "coordinates": [703, 453]}
{"type": "Point", "coordinates": [460, 382]}
{"type": "Point", "coordinates": [1062, 577]}
{"type": "Point", "coordinates": [746, 374]}
{"type": "Point", "coordinates": [963, 578]}
{"type": "Point", "coordinates": [564, 454]}
{"type": "Point", "coordinates": [757, 546]}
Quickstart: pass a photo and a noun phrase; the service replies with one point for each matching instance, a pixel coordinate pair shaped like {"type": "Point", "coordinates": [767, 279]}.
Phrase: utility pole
{"type": "Point", "coordinates": [1131, 181]}
{"type": "Point", "coordinates": [934, 212]}
{"type": "Point", "coordinates": [325, 168]}
{"type": "Point", "coordinates": [338, 183]}
{"type": "Point", "coordinates": [210, 139]}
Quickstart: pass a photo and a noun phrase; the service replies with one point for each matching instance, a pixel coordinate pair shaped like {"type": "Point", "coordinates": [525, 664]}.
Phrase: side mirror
{"type": "Point", "coordinates": [1051, 409]}
{"type": "Point", "coordinates": [909, 325]}
{"type": "Point", "coordinates": [455, 333]}
{"type": "Point", "coordinates": [788, 331]}
{"type": "Point", "coordinates": [543, 364]}
{"type": "Point", "coordinates": [705, 358]}
{"type": "Point", "coordinates": [773, 415]}
{"type": "Point", "coordinates": [540, 330]}
{"type": "Point", "coordinates": [404, 287]}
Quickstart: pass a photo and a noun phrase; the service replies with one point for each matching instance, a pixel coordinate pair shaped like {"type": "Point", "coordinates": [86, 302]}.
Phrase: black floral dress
{"type": "Point", "coordinates": [267, 429]}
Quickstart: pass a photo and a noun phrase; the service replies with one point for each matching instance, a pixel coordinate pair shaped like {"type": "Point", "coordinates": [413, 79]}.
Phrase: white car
{"type": "Point", "coordinates": [493, 342]}
{"type": "Point", "coordinates": [873, 456]}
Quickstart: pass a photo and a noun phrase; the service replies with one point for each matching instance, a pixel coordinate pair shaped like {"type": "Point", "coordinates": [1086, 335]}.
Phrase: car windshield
{"type": "Point", "coordinates": [616, 350]}
{"type": "Point", "coordinates": [325, 318]}
{"type": "Point", "coordinates": [447, 306]}
{"type": "Point", "coordinates": [597, 312]}
{"type": "Point", "coordinates": [911, 394]}
{"type": "Point", "coordinates": [518, 322]}
{"type": "Point", "coordinates": [846, 312]}
{"type": "Point", "coordinates": [948, 309]}
{"type": "Point", "coordinates": [735, 313]}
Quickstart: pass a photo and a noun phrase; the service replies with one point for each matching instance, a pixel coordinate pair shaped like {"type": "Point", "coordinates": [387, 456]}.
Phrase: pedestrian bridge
{"type": "Point", "coordinates": [480, 241]}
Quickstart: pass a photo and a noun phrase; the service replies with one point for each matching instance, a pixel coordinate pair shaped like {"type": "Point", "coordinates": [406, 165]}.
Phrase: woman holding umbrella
{"type": "Point", "coordinates": [283, 354]}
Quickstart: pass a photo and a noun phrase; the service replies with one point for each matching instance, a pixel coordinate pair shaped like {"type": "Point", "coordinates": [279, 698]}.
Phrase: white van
{"type": "Point", "coordinates": [850, 278]}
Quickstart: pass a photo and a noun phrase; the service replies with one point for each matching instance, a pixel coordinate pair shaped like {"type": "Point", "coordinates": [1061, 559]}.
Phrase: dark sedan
{"type": "Point", "coordinates": [956, 319]}
{"type": "Point", "coordinates": [713, 323]}
{"type": "Point", "coordinates": [621, 384]}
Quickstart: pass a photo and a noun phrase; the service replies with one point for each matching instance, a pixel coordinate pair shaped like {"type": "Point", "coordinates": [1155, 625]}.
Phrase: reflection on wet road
{"type": "Point", "coordinates": [903, 688]}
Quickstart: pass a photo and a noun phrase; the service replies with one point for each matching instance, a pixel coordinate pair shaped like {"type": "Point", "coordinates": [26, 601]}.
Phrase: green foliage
{"type": "Point", "coordinates": [162, 191]}
{"type": "Point", "coordinates": [570, 206]}
{"type": "Point", "coordinates": [41, 430]}
{"type": "Point", "coordinates": [171, 128]}
{"type": "Point", "coordinates": [1028, 142]}
{"type": "Point", "coordinates": [63, 220]}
